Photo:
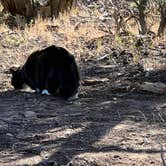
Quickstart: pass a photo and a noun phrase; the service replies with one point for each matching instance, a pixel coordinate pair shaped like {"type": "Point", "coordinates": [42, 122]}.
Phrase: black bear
{"type": "Point", "coordinates": [52, 70]}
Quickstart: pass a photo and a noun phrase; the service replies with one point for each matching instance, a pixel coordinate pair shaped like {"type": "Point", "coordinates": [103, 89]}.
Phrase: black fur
{"type": "Point", "coordinates": [53, 68]}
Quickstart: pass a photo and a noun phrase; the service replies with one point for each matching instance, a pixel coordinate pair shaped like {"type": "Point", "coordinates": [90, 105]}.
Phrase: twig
{"type": "Point", "coordinates": [162, 154]}
{"type": "Point", "coordinates": [101, 58]}
{"type": "Point", "coordinates": [162, 119]}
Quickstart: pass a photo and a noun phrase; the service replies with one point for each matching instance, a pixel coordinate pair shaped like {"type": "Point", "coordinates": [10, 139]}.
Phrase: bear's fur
{"type": "Point", "coordinates": [53, 69]}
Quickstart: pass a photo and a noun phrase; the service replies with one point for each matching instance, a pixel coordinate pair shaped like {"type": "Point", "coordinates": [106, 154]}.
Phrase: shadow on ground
{"type": "Point", "coordinates": [41, 130]}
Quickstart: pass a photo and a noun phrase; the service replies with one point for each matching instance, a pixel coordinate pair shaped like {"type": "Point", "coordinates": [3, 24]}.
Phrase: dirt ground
{"type": "Point", "coordinates": [110, 124]}
{"type": "Point", "coordinates": [113, 123]}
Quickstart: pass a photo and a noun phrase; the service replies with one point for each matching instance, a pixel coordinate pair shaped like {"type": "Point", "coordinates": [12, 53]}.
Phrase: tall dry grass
{"type": "Point", "coordinates": [76, 31]}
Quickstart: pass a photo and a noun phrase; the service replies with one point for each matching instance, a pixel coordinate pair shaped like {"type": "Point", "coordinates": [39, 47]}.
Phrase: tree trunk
{"type": "Point", "coordinates": [142, 23]}
{"type": "Point", "coordinates": [28, 8]}
{"type": "Point", "coordinates": [142, 16]}
{"type": "Point", "coordinates": [58, 6]}
{"type": "Point", "coordinates": [22, 7]}
{"type": "Point", "coordinates": [54, 5]}
{"type": "Point", "coordinates": [162, 25]}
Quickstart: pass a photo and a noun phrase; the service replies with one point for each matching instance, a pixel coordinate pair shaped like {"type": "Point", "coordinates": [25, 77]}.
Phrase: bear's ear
{"type": "Point", "coordinates": [13, 69]}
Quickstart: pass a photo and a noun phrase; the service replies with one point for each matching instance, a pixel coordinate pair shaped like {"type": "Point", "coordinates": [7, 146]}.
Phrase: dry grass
{"type": "Point", "coordinates": [69, 31]}
{"type": "Point", "coordinates": [73, 31]}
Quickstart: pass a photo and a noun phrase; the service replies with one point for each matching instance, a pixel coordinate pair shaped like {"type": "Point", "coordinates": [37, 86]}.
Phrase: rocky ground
{"type": "Point", "coordinates": [111, 123]}
{"type": "Point", "coordinates": [114, 122]}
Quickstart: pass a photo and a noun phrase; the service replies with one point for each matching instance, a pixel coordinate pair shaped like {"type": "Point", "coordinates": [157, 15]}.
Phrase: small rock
{"type": "Point", "coordinates": [152, 162]}
{"type": "Point", "coordinates": [29, 114]}
{"type": "Point", "coordinates": [116, 157]}
{"type": "Point", "coordinates": [102, 9]}
{"type": "Point", "coordinates": [9, 135]}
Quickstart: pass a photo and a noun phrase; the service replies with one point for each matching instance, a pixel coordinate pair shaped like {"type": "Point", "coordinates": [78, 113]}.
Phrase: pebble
{"type": "Point", "coordinates": [29, 114]}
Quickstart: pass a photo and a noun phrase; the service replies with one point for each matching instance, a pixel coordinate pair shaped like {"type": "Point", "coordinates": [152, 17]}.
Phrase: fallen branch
{"type": "Point", "coordinates": [94, 81]}
{"type": "Point", "coordinates": [157, 87]}
{"type": "Point", "coordinates": [162, 154]}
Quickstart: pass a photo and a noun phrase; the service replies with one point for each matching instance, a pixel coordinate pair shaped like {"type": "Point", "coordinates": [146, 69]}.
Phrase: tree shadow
{"type": "Point", "coordinates": [71, 128]}
{"type": "Point", "coordinates": [135, 106]}
{"type": "Point", "coordinates": [50, 114]}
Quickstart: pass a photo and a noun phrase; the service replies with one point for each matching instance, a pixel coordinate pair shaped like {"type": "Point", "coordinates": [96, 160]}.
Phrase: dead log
{"type": "Point", "coordinates": [156, 87]}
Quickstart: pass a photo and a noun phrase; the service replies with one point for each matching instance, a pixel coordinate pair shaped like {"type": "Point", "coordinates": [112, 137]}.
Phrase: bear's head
{"type": "Point", "coordinates": [16, 80]}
